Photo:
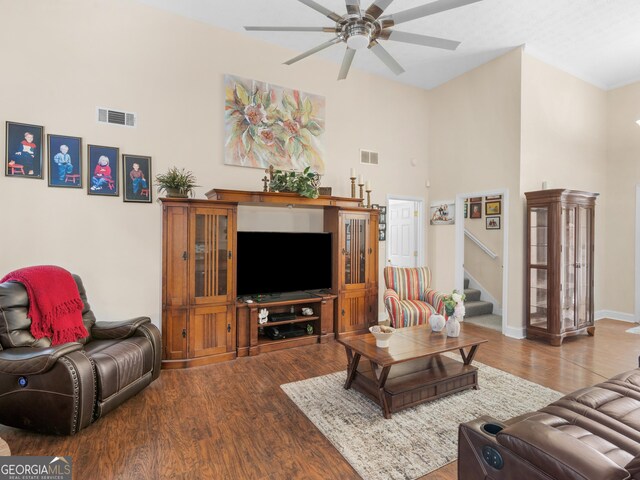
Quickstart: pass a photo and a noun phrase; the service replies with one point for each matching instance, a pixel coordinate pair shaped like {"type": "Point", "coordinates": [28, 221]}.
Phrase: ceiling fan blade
{"type": "Point", "coordinates": [346, 63]}
{"type": "Point", "coordinates": [353, 7]}
{"type": "Point", "coordinates": [319, 8]}
{"type": "Point", "coordinates": [291, 29]}
{"type": "Point", "coordinates": [320, 47]}
{"type": "Point", "coordinates": [377, 8]}
{"type": "Point", "coordinates": [416, 39]}
{"type": "Point", "coordinates": [423, 11]}
{"type": "Point", "coordinates": [386, 58]}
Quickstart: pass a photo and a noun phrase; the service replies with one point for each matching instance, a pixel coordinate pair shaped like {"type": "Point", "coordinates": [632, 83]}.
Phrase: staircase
{"type": "Point", "coordinates": [472, 304]}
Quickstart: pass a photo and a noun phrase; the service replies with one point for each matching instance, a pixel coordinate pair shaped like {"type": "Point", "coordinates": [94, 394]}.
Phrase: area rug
{"type": "Point", "coordinates": [414, 441]}
{"type": "Point", "coordinates": [635, 330]}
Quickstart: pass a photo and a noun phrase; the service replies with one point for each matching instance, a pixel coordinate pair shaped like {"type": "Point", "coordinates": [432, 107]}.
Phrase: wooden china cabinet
{"type": "Point", "coordinates": [560, 245]}
{"type": "Point", "coordinates": [198, 287]}
{"type": "Point", "coordinates": [355, 269]}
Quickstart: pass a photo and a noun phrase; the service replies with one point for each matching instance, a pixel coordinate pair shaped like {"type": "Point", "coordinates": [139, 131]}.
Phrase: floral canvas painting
{"type": "Point", "coordinates": [271, 125]}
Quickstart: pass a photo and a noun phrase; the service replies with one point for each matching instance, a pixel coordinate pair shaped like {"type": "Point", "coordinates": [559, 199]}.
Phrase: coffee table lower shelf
{"type": "Point", "coordinates": [416, 382]}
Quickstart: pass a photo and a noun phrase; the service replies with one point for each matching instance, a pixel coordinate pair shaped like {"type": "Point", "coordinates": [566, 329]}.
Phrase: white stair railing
{"type": "Point", "coordinates": [482, 246]}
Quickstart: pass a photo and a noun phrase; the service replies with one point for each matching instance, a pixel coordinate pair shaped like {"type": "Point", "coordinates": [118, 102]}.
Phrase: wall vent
{"type": "Point", "coordinates": [116, 117]}
{"type": "Point", "coordinates": [368, 157]}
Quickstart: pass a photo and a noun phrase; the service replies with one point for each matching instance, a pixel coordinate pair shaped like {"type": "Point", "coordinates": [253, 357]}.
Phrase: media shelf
{"type": "Point", "coordinates": [298, 319]}
{"type": "Point", "coordinates": [250, 342]}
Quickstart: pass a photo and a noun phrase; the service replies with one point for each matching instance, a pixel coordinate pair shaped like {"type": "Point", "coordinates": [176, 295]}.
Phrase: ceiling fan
{"type": "Point", "coordinates": [363, 29]}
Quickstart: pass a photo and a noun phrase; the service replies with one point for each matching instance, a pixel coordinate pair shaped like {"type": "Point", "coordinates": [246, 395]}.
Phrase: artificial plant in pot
{"type": "Point", "coordinates": [303, 183]}
{"type": "Point", "coordinates": [176, 182]}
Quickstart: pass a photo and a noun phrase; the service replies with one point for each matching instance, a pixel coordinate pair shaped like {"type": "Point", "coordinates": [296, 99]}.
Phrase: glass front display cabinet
{"type": "Point", "coordinates": [559, 293]}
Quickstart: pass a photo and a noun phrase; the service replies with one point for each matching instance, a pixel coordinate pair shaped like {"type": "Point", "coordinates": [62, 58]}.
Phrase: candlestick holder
{"type": "Point", "coordinates": [353, 187]}
{"type": "Point", "coordinates": [361, 185]}
{"type": "Point", "coordinates": [368, 198]}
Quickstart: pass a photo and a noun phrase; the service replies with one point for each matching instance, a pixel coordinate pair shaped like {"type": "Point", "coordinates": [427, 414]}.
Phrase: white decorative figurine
{"type": "Point", "coordinates": [437, 322]}
{"type": "Point", "coordinates": [263, 316]}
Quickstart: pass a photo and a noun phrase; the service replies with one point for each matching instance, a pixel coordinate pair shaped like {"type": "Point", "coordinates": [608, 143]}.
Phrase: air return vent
{"type": "Point", "coordinates": [368, 157]}
{"type": "Point", "coordinates": [116, 117]}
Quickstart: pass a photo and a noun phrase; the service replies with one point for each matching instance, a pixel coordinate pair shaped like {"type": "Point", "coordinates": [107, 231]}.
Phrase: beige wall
{"type": "Point", "coordinates": [564, 142]}
{"type": "Point", "coordinates": [623, 174]}
{"type": "Point", "coordinates": [511, 124]}
{"type": "Point", "coordinates": [169, 70]}
{"type": "Point", "coordinates": [474, 145]}
{"type": "Point", "coordinates": [514, 123]}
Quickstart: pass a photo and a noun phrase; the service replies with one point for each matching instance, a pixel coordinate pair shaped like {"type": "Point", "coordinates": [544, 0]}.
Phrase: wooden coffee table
{"type": "Point", "coordinates": [411, 370]}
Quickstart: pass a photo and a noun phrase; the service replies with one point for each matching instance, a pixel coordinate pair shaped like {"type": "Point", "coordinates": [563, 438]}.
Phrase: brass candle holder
{"type": "Point", "coordinates": [368, 198]}
{"type": "Point", "coordinates": [353, 187]}
{"type": "Point", "coordinates": [361, 185]}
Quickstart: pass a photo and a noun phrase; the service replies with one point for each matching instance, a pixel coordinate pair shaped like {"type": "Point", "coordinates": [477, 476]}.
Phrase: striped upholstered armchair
{"type": "Point", "coordinates": [408, 298]}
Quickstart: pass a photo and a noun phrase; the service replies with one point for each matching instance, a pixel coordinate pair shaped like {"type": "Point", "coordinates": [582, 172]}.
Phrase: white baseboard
{"type": "Point", "coordinates": [613, 315]}
{"type": "Point", "coordinates": [515, 332]}
{"type": "Point", "coordinates": [484, 295]}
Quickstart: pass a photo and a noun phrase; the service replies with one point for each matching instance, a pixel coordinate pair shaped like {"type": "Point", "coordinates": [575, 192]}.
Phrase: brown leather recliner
{"type": "Point", "coordinates": [590, 434]}
{"type": "Point", "coordinates": [63, 389]}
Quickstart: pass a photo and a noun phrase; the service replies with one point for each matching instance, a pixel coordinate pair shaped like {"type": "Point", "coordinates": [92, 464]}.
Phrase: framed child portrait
{"type": "Point", "coordinates": [136, 178]}
{"type": "Point", "coordinates": [102, 171]}
{"type": "Point", "coordinates": [23, 150]}
{"type": "Point", "coordinates": [64, 161]}
{"type": "Point", "coordinates": [475, 210]}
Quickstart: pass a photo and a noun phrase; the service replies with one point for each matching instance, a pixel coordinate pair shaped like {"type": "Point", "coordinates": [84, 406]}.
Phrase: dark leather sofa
{"type": "Point", "coordinates": [63, 389]}
{"type": "Point", "coordinates": [593, 433]}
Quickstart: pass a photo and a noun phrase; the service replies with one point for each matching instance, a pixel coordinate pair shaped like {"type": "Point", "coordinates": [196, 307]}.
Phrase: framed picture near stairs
{"type": "Point", "coordinates": [493, 223]}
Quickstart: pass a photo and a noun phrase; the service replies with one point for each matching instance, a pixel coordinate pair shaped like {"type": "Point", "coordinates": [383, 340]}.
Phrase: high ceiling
{"type": "Point", "coordinates": [595, 40]}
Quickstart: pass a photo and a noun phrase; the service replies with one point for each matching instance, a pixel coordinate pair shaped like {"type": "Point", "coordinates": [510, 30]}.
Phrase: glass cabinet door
{"type": "Point", "coordinates": [538, 258]}
{"type": "Point", "coordinates": [583, 268]}
{"type": "Point", "coordinates": [354, 249]}
{"type": "Point", "coordinates": [568, 268]}
{"type": "Point", "coordinates": [210, 263]}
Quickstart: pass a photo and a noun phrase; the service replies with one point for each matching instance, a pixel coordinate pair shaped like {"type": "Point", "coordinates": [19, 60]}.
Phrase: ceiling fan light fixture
{"type": "Point", "coordinates": [362, 30]}
{"type": "Point", "coordinates": [358, 42]}
{"type": "Point", "coordinates": [358, 36]}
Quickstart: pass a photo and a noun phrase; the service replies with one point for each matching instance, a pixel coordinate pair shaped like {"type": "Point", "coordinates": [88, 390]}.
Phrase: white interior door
{"type": "Point", "coordinates": [402, 219]}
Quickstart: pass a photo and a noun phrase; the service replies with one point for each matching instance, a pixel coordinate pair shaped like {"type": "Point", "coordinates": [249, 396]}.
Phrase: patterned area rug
{"type": "Point", "coordinates": [635, 330]}
{"type": "Point", "coordinates": [414, 441]}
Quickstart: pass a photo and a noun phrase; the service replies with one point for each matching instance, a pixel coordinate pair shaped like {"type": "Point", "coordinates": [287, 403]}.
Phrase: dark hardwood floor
{"type": "Point", "coordinates": [232, 420]}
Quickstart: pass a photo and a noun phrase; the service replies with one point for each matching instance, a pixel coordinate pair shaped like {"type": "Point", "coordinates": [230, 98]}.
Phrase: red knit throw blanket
{"type": "Point", "coordinates": [55, 306]}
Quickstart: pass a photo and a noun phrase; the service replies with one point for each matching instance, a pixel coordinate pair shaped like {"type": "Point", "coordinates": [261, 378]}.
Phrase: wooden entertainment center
{"type": "Point", "coordinates": [204, 322]}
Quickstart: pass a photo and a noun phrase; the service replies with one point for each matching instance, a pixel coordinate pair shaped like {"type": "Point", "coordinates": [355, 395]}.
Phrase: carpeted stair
{"type": "Point", "coordinates": [472, 304]}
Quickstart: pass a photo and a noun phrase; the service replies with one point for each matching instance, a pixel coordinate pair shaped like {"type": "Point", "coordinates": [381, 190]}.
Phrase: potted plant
{"type": "Point", "coordinates": [176, 183]}
{"type": "Point", "coordinates": [303, 183]}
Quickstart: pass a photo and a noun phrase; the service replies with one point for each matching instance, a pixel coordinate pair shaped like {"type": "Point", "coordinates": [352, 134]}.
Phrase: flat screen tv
{"type": "Point", "coordinates": [278, 262]}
